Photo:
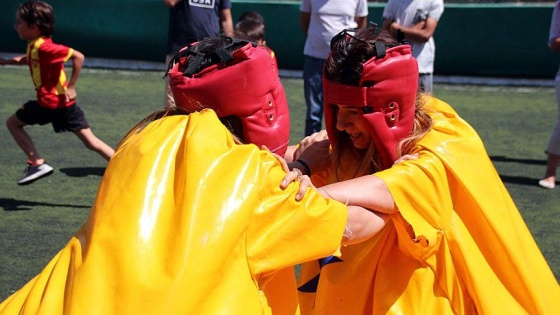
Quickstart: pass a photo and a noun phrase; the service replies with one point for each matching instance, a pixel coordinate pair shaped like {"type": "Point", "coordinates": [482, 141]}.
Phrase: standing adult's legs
{"type": "Point", "coordinates": [313, 90]}
{"type": "Point", "coordinates": [426, 82]}
{"type": "Point", "coordinates": [553, 149]}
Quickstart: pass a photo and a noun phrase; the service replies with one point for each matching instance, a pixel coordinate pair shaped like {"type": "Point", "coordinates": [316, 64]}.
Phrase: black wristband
{"type": "Point", "coordinates": [305, 167]}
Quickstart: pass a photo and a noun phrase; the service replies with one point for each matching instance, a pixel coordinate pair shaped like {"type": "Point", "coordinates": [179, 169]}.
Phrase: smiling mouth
{"type": "Point", "coordinates": [357, 139]}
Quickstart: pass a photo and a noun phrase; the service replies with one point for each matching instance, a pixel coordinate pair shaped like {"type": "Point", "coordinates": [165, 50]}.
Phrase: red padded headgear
{"type": "Point", "coordinates": [387, 106]}
{"type": "Point", "coordinates": [244, 85]}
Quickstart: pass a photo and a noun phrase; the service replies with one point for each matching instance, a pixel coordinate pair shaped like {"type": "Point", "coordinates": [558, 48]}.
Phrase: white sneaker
{"type": "Point", "coordinates": [35, 172]}
{"type": "Point", "coordinates": [546, 184]}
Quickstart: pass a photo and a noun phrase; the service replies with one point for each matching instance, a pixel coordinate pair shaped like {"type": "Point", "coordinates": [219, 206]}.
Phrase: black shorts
{"type": "Point", "coordinates": [70, 118]}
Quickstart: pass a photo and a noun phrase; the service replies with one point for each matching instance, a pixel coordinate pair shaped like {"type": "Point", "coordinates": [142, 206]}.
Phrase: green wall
{"type": "Point", "coordinates": [495, 40]}
{"type": "Point", "coordinates": [505, 40]}
{"type": "Point", "coordinates": [123, 29]}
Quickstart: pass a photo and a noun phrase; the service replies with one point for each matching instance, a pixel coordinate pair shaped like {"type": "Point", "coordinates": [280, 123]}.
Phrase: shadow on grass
{"type": "Point", "coordinates": [500, 158]}
{"type": "Point", "coordinates": [518, 180]}
{"type": "Point", "coordinates": [83, 171]}
{"type": "Point", "coordinates": [10, 204]}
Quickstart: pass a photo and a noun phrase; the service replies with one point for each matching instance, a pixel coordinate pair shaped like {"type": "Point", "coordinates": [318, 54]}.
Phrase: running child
{"type": "Point", "coordinates": [56, 96]}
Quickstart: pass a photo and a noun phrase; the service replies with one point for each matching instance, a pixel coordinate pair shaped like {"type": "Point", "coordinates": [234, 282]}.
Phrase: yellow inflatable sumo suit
{"type": "Point", "coordinates": [186, 222]}
{"type": "Point", "coordinates": [457, 246]}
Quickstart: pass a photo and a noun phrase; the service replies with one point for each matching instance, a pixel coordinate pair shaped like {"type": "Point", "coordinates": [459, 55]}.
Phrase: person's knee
{"type": "Point", "coordinates": [8, 122]}
{"type": "Point", "coordinates": [92, 143]}
{"type": "Point", "coordinates": [87, 138]}
{"type": "Point", "coordinates": [14, 123]}
{"type": "Point", "coordinates": [90, 146]}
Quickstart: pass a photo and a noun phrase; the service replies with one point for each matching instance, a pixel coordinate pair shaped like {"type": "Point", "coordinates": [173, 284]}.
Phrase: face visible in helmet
{"type": "Point", "coordinates": [349, 120]}
{"type": "Point", "coordinates": [379, 78]}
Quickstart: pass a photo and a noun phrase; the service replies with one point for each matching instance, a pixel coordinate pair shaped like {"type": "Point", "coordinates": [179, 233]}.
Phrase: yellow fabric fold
{"type": "Point", "coordinates": [457, 246]}
{"type": "Point", "coordinates": [186, 222]}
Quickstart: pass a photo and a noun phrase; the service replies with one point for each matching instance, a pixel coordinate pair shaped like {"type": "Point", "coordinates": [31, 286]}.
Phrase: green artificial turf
{"type": "Point", "coordinates": [37, 220]}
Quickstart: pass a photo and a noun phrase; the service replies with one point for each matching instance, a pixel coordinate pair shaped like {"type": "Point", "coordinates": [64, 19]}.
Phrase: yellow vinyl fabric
{"type": "Point", "coordinates": [186, 222]}
{"type": "Point", "coordinates": [457, 246]}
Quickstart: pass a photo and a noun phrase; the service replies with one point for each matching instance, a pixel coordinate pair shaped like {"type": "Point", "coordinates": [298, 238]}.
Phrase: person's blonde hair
{"type": "Point", "coordinates": [422, 125]}
{"type": "Point", "coordinates": [172, 110]}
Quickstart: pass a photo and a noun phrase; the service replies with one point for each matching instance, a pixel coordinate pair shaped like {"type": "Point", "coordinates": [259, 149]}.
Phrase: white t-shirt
{"type": "Point", "coordinates": [408, 13]}
{"type": "Point", "coordinates": [328, 18]}
{"type": "Point", "coordinates": [555, 30]}
{"type": "Point", "coordinates": [555, 23]}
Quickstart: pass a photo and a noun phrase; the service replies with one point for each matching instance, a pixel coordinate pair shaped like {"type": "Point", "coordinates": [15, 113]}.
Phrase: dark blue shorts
{"type": "Point", "coordinates": [70, 118]}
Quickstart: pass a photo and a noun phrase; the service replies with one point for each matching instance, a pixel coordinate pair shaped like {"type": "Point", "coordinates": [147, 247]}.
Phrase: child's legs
{"type": "Point", "coordinates": [26, 115]}
{"type": "Point", "coordinates": [426, 82]}
{"type": "Point", "coordinates": [73, 119]}
{"type": "Point", "coordinates": [95, 144]}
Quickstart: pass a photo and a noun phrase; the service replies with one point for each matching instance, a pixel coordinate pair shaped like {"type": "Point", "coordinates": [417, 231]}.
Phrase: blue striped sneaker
{"type": "Point", "coordinates": [35, 172]}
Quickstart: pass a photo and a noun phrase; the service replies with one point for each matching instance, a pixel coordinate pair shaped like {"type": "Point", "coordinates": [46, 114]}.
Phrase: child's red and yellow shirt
{"type": "Point", "coordinates": [46, 65]}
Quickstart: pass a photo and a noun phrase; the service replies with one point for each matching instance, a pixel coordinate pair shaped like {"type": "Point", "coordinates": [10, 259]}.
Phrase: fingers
{"type": "Point", "coordinates": [70, 94]}
{"type": "Point", "coordinates": [317, 136]}
{"type": "Point", "coordinates": [310, 140]}
{"type": "Point", "coordinates": [291, 176]}
{"type": "Point", "coordinates": [296, 175]}
{"type": "Point", "coordinates": [406, 157]}
{"type": "Point", "coordinates": [304, 184]}
{"type": "Point", "coordinates": [314, 147]}
{"type": "Point", "coordinates": [280, 159]}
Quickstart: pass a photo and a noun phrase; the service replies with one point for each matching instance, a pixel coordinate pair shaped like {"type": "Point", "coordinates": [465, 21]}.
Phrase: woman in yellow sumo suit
{"type": "Point", "coordinates": [454, 241]}
{"type": "Point", "coordinates": [189, 221]}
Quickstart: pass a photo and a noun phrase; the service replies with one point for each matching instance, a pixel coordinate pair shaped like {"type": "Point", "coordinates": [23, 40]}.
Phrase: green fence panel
{"type": "Point", "coordinates": [495, 40]}
{"type": "Point", "coordinates": [503, 40]}
{"type": "Point", "coordinates": [122, 29]}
